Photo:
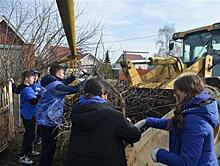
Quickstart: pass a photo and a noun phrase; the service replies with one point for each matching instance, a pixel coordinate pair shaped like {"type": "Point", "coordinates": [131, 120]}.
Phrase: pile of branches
{"type": "Point", "coordinates": [135, 103]}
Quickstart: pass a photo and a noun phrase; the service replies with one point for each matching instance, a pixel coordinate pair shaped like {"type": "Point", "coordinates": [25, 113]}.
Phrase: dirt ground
{"type": "Point", "coordinates": [10, 156]}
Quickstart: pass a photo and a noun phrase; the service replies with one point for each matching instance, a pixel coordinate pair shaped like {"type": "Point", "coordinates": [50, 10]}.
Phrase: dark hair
{"type": "Point", "coordinates": [94, 87]}
{"type": "Point", "coordinates": [55, 68]}
{"type": "Point", "coordinates": [191, 85]}
{"type": "Point", "coordinates": [26, 74]}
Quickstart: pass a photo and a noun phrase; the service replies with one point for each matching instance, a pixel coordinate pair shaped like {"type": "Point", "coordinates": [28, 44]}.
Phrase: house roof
{"type": "Point", "coordinates": [134, 57]}
{"type": "Point", "coordinates": [4, 19]}
{"type": "Point", "coordinates": [59, 52]}
{"type": "Point", "coordinates": [130, 57]}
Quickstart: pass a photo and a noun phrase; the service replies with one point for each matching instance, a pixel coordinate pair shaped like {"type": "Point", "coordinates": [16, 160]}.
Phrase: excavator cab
{"type": "Point", "coordinates": [199, 43]}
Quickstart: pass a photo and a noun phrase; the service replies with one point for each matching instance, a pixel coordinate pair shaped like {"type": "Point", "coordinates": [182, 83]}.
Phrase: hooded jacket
{"type": "Point", "coordinates": [49, 111]}
{"type": "Point", "coordinates": [193, 144]}
{"type": "Point", "coordinates": [97, 134]}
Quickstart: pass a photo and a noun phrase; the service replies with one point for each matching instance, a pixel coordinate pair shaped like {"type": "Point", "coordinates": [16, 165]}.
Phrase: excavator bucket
{"type": "Point", "coordinates": [66, 10]}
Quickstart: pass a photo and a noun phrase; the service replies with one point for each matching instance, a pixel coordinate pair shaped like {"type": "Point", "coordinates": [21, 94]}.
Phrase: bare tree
{"type": "Point", "coordinates": [37, 27]}
{"type": "Point", "coordinates": [164, 36]}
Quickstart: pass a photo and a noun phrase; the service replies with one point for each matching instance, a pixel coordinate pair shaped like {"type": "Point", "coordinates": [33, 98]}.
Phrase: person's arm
{"type": "Point", "coordinates": [127, 131]}
{"type": "Point", "coordinates": [33, 101]}
{"type": "Point", "coordinates": [69, 80]}
{"type": "Point", "coordinates": [158, 123]}
{"type": "Point", "coordinates": [62, 89]}
{"type": "Point", "coordinates": [192, 141]}
{"type": "Point", "coordinates": [30, 96]}
{"type": "Point", "coordinates": [14, 89]}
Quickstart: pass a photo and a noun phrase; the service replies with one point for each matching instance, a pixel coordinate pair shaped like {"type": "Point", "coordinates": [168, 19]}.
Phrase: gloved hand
{"type": "Point", "coordinates": [140, 124]}
{"type": "Point", "coordinates": [154, 154]}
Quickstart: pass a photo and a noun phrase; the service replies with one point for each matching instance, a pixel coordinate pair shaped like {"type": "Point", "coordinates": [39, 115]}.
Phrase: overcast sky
{"type": "Point", "coordinates": [125, 19]}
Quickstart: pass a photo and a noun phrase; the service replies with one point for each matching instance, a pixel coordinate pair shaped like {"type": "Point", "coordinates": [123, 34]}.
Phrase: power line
{"type": "Point", "coordinates": [128, 39]}
{"type": "Point", "coordinates": [135, 38]}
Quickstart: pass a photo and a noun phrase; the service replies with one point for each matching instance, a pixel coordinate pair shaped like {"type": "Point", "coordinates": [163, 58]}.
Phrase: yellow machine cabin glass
{"type": "Point", "coordinates": [200, 44]}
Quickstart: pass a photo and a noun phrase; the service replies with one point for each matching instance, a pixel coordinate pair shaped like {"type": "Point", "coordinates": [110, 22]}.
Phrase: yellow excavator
{"type": "Point", "coordinates": [200, 56]}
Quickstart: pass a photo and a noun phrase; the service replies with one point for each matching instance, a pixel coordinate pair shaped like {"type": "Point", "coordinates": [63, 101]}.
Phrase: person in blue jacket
{"type": "Point", "coordinates": [38, 90]}
{"type": "Point", "coordinates": [37, 84]}
{"type": "Point", "coordinates": [50, 110]}
{"type": "Point", "coordinates": [191, 130]}
{"type": "Point", "coordinates": [28, 101]}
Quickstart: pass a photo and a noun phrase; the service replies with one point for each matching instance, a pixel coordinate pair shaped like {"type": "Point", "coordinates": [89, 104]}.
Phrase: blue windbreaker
{"type": "Point", "coordinates": [37, 88]}
{"type": "Point", "coordinates": [27, 109]}
{"type": "Point", "coordinates": [193, 144]}
{"type": "Point", "coordinates": [49, 109]}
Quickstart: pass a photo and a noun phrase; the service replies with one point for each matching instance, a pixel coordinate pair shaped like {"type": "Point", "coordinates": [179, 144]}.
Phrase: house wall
{"type": "Point", "coordinates": [87, 63]}
{"type": "Point", "coordinates": [15, 54]}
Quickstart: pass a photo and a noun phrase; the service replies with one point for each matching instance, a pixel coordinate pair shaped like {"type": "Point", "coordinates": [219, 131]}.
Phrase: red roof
{"type": "Point", "coordinates": [134, 57]}
{"type": "Point", "coordinates": [60, 52]}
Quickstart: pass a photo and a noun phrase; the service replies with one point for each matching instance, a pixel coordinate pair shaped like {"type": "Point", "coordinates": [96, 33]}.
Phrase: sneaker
{"type": "Point", "coordinates": [35, 153]}
{"type": "Point", "coordinates": [25, 160]}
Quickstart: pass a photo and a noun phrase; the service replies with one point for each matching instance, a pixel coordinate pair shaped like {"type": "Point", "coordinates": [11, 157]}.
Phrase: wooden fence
{"type": "Point", "coordinates": [7, 127]}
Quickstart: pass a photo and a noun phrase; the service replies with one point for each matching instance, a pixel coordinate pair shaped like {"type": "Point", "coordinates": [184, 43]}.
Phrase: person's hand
{"type": "Point", "coordinates": [140, 124]}
{"type": "Point", "coordinates": [154, 154]}
{"type": "Point", "coordinates": [11, 80]}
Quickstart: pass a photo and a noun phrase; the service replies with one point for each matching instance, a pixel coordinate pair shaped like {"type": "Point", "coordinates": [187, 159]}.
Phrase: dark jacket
{"type": "Point", "coordinates": [97, 134]}
{"type": "Point", "coordinates": [193, 144]}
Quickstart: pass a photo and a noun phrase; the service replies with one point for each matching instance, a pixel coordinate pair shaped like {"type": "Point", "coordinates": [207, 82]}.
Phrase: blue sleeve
{"type": "Point", "coordinates": [29, 93]}
{"type": "Point", "coordinates": [192, 141]}
{"type": "Point", "coordinates": [157, 123]}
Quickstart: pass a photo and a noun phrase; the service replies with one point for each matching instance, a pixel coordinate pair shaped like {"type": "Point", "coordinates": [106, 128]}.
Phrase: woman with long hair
{"type": "Point", "coordinates": [191, 130]}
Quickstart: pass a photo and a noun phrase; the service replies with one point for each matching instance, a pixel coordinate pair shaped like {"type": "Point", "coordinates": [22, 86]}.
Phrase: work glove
{"type": "Point", "coordinates": [140, 124]}
{"type": "Point", "coordinates": [154, 154]}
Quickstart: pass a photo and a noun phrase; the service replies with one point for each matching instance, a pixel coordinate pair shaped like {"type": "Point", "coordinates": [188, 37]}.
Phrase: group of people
{"type": "Point", "coordinates": [100, 132]}
{"type": "Point", "coordinates": [41, 108]}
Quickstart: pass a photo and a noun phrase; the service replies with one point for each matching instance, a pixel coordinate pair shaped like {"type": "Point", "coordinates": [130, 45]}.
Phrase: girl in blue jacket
{"type": "Point", "coordinates": [49, 112]}
{"type": "Point", "coordinates": [191, 130]}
